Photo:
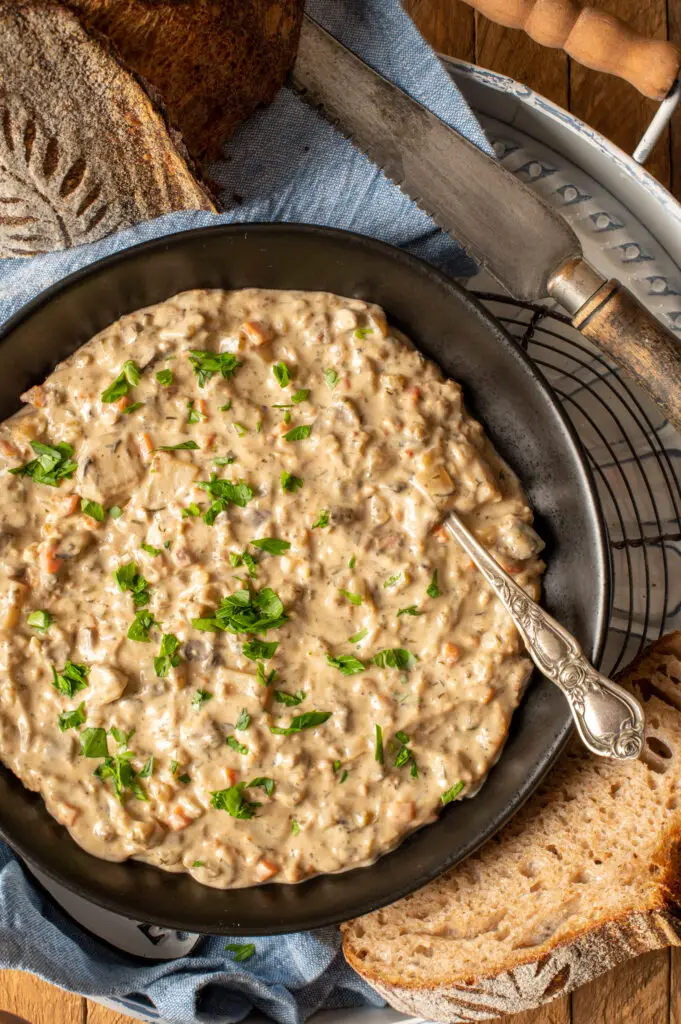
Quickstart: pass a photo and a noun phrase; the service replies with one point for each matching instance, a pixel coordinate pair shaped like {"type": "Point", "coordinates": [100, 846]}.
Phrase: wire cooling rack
{"type": "Point", "coordinates": [634, 454]}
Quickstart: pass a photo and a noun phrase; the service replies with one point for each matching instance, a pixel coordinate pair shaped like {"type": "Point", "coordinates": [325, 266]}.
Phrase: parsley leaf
{"type": "Point", "coordinates": [243, 721]}
{"type": "Point", "coordinates": [300, 433]}
{"type": "Point", "coordinates": [301, 395]}
{"type": "Point", "coordinates": [122, 738]}
{"type": "Point", "coordinates": [40, 620]}
{"type": "Point", "coordinates": [146, 769]}
{"type": "Point", "coordinates": [233, 742]}
{"type": "Point", "coordinates": [128, 577]}
{"type": "Point", "coordinates": [53, 464]}
{"type": "Point", "coordinates": [72, 719]}
{"type": "Point", "coordinates": [183, 446]}
{"type": "Point", "coordinates": [378, 749]}
{"type": "Point", "coordinates": [242, 950]}
{"type": "Point", "coordinates": [355, 599]}
{"type": "Point", "coordinates": [257, 650]}
{"type": "Point", "coordinates": [404, 755]}
{"type": "Point", "coordinates": [245, 611]}
{"type": "Point", "coordinates": [167, 656]}
{"type": "Point", "coordinates": [71, 679]}
{"type": "Point", "coordinates": [282, 375]}
{"type": "Point", "coordinates": [241, 430]}
{"type": "Point", "coordinates": [227, 406]}
{"type": "Point", "coordinates": [343, 777]}
{"type": "Point", "coordinates": [265, 680]}
{"type": "Point", "coordinates": [151, 550]}
{"type": "Point", "coordinates": [92, 509]}
{"type": "Point", "coordinates": [128, 378]}
{"type": "Point", "coordinates": [411, 610]}
{"type": "Point", "coordinates": [433, 590]}
{"type": "Point", "coordinates": [295, 827]}
{"type": "Point", "coordinates": [392, 580]}
{"type": "Point", "coordinates": [356, 637]}
{"type": "Point", "coordinates": [363, 332]}
{"type": "Point", "coordinates": [165, 378]}
{"type": "Point", "coordinates": [331, 378]}
{"type": "Point", "coordinates": [115, 511]}
{"type": "Point", "coordinates": [451, 794]}
{"type": "Point", "coordinates": [289, 483]}
{"type": "Point", "coordinates": [223, 460]}
{"type": "Point", "coordinates": [140, 626]}
{"type": "Point", "coordinates": [308, 720]}
{"type": "Point", "coordinates": [132, 408]}
{"type": "Point", "coordinates": [174, 765]}
{"type": "Point", "coordinates": [291, 700]}
{"type": "Point", "coordinates": [353, 562]}
{"type": "Point", "coordinates": [192, 509]}
{"type": "Point", "coordinates": [184, 779]}
{"type": "Point", "coordinates": [395, 657]}
{"type": "Point", "coordinates": [272, 545]}
{"type": "Point", "coordinates": [198, 864]}
{"type": "Point", "coordinates": [93, 743]}
{"type": "Point", "coordinates": [119, 768]}
{"type": "Point", "coordinates": [348, 664]}
{"type": "Point", "coordinates": [201, 697]}
{"type": "Point", "coordinates": [205, 364]}
{"type": "Point", "coordinates": [322, 519]}
{"type": "Point", "coordinates": [225, 493]}
{"type": "Point", "coordinates": [232, 800]}
{"type": "Point", "coordinates": [262, 782]}
{"type": "Point", "coordinates": [193, 415]}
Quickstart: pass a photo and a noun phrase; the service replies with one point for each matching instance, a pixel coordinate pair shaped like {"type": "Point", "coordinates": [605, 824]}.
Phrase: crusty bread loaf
{"type": "Point", "coordinates": [83, 149]}
{"type": "Point", "coordinates": [585, 876]}
{"type": "Point", "coordinates": [213, 61]}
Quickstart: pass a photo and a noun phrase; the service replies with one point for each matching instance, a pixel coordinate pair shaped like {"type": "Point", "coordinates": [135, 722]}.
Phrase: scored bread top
{"type": "Point", "coordinates": [596, 845]}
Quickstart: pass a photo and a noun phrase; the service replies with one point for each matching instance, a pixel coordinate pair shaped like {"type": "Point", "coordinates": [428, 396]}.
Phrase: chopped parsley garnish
{"type": "Point", "coordinates": [72, 719]}
{"type": "Point", "coordinates": [301, 395]}
{"type": "Point", "coordinates": [392, 580]}
{"type": "Point", "coordinates": [295, 827]}
{"type": "Point", "coordinates": [198, 864]}
{"type": "Point", "coordinates": [265, 679]}
{"type": "Point", "coordinates": [128, 577]}
{"type": "Point", "coordinates": [243, 721]}
{"type": "Point", "coordinates": [183, 446]}
{"type": "Point", "coordinates": [115, 511]}
{"type": "Point", "coordinates": [92, 509]}
{"type": "Point", "coordinates": [71, 679]}
{"type": "Point", "coordinates": [241, 430]}
{"type": "Point", "coordinates": [165, 378]}
{"type": "Point", "coordinates": [308, 720]}
{"type": "Point", "coordinates": [233, 801]}
{"type": "Point", "coordinates": [331, 378]}
{"type": "Point", "coordinates": [242, 950]}
{"type": "Point", "coordinates": [348, 664]}
{"type": "Point", "coordinates": [93, 743]}
{"type": "Point", "coordinates": [395, 657]}
{"type": "Point", "coordinates": [378, 748]}
{"type": "Point", "coordinates": [344, 775]}
{"type": "Point", "coordinates": [451, 794]}
{"type": "Point", "coordinates": [289, 482]}
{"type": "Point", "coordinates": [167, 657]}
{"type": "Point", "coordinates": [227, 406]}
{"type": "Point", "coordinates": [192, 509]}
{"type": "Point", "coordinates": [40, 620]}
{"type": "Point", "coordinates": [205, 364]}
{"type": "Point", "coordinates": [363, 332]}
{"type": "Point", "coordinates": [356, 637]}
{"type": "Point", "coordinates": [151, 550]}
{"type": "Point", "coordinates": [245, 611]}
{"type": "Point", "coordinates": [140, 626]}
{"type": "Point", "coordinates": [128, 378]}
{"type": "Point", "coordinates": [291, 700]}
{"type": "Point", "coordinates": [433, 590]}
{"type": "Point", "coordinates": [147, 769]}
{"type": "Point", "coordinates": [404, 755]}
{"type": "Point", "coordinates": [300, 433]}
{"type": "Point", "coordinates": [355, 599]}
{"type": "Point", "coordinates": [262, 782]}
{"type": "Point", "coordinates": [200, 698]}
{"type": "Point", "coordinates": [236, 559]}
{"type": "Point", "coordinates": [353, 562]}
{"type": "Point", "coordinates": [119, 768]}
{"type": "Point", "coordinates": [223, 460]}
{"type": "Point", "coordinates": [336, 766]}
{"type": "Point", "coordinates": [193, 414]}
{"type": "Point", "coordinates": [322, 519]}
{"type": "Point", "coordinates": [272, 545]}
{"type": "Point", "coordinates": [224, 493]}
{"type": "Point", "coordinates": [132, 408]}
{"type": "Point", "coordinates": [233, 742]}
{"type": "Point", "coordinates": [184, 779]}
{"type": "Point", "coordinates": [411, 610]}
{"type": "Point", "coordinates": [174, 765]}
{"type": "Point", "coordinates": [259, 650]}
{"type": "Point", "coordinates": [52, 465]}
{"type": "Point", "coordinates": [122, 738]}
{"type": "Point", "coordinates": [282, 375]}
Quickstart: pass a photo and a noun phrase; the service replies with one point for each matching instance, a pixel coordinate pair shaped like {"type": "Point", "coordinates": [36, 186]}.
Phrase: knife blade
{"type": "Point", "coordinates": [502, 223]}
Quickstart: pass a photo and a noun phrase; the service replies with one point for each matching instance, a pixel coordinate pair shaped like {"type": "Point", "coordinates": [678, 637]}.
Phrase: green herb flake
{"type": "Point", "coordinates": [200, 698]}
{"type": "Point", "coordinates": [262, 782]}
{"type": "Point", "coordinates": [355, 599]}
{"type": "Point", "coordinates": [308, 720]}
{"type": "Point", "coordinates": [115, 512]}
{"type": "Point", "coordinates": [72, 719]}
{"type": "Point", "coordinates": [183, 446]}
{"type": "Point", "coordinates": [192, 509]}
{"type": "Point", "coordinates": [287, 417]}
{"type": "Point", "coordinates": [71, 679]}
{"type": "Point", "coordinates": [433, 590]}
{"type": "Point", "coordinates": [300, 433]}
{"type": "Point", "coordinates": [282, 375]}
{"type": "Point", "coordinates": [225, 493]}
{"type": "Point", "coordinates": [129, 377]}
{"type": "Point", "coordinates": [240, 429]}
{"type": "Point", "coordinates": [40, 620]}
{"type": "Point", "coordinates": [242, 950]}
{"type": "Point", "coordinates": [245, 611]}
{"type": "Point", "coordinates": [395, 657]}
{"type": "Point", "coordinates": [128, 577]}
{"type": "Point", "coordinates": [322, 520]}
{"type": "Point", "coordinates": [206, 364]}
{"type": "Point", "coordinates": [264, 678]}
{"type": "Point", "coordinates": [259, 650]}
{"type": "Point", "coordinates": [193, 414]}
{"type": "Point", "coordinates": [147, 769]}
{"type": "Point", "coordinates": [405, 756]}
{"type": "Point", "coordinates": [139, 628]}
{"type": "Point", "coordinates": [344, 775]}
{"type": "Point", "coordinates": [295, 827]}
{"type": "Point", "coordinates": [291, 700]}
{"type": "Point", "coordinates": [120, 769]}
{"type": "Point", "coordinates": [233, 801]}
{"type": "Point", "coordinates": [151, 550]}
{"type": "Point", "coordinates": [392, 580]}
{"type": "Point", "coordinates": [411, 610]}
{"type": "Point", "coordinates": [243, 721]}
{"type": "Point", "coordinates": [184, 779]}
{"type": "Point", "coordinates": [198, 864]}
{"type": "Point", "coordinates": [92, 509]}
{"type": "Point", "coordinates": [93, 743]}
{"type": "Point", "coordinates": [167, 657]}
{"type": "Point", "coordinates": [233, 742]}
{"type": "Point", "coordinates": [378, 748]}
{"type": "Point", "coordinates": [336, 766]}
{"type": "Point", "coordinates": [363, 332]}
{"type": "Point", "coordinates": [223, 460]}
{"type": "Point", "coordinates": [356, 637]}
{"type": "Point", "coordinates": [353, 562]}
{"type": "Point", "coordinates": [348, 664]}
{"type": "Point", "coordinates": [290, 483]}
{"type": "Point", "coordinates": [174, 765]}
{"type": "Point", "coordinates": [272, 545]}
{"type": "Point", "coordinates": [301, 395]}
{"type": "Point", "coordinates": [52, 465]}
{"type": "Point", "coordinates": [227, 406]}
{"type": "Point", "coordinates": [132, 408]}
{"type": "Point", "coordinates": [122, 738]}
{"type": "Point", "coordinates": [451, 794]}
{"type": "Point", "coordinates": [331, 378]}
{"type": "Point", "coordinates": [165, 378]}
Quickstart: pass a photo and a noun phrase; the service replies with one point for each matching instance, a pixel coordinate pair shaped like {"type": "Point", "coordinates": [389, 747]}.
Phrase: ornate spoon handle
{"type": "Point", "coordinates": [610, 721]}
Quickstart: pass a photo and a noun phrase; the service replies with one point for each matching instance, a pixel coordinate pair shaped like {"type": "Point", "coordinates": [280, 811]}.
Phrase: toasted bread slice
{"type": "Point", "coordinates": [585, 876]}
{"type": "Point", "coordinates": [213, 61]}
{"type": "Point", "coordinates": [83, 149]}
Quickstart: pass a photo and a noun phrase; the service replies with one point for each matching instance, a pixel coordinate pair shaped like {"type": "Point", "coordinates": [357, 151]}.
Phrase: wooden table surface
{"type": "Point", "coordinates": [646, 990]}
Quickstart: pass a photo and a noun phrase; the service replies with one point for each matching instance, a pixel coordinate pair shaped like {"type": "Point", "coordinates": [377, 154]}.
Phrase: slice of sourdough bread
{"type": "Point", "coordinates": [586, 875]}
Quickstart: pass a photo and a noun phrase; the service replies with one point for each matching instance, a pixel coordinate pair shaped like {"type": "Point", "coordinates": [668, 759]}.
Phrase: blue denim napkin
{"type": "Point", "coordinates": [285, 164]}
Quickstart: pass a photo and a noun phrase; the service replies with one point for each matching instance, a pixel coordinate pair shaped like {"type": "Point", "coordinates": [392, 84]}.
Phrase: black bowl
{"type": "Point", "coordinates": [528, 428]}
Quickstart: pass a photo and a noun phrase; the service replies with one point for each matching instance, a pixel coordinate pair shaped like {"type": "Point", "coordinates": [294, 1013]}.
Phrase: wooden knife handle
{"type": "Point", "coordinates": [619, 325]}
{"type": "Point", "coordinates": [592, 37]}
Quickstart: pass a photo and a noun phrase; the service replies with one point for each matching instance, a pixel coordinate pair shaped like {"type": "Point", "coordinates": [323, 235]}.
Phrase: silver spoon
{"type": "Point", "coordinates": [609, 720]}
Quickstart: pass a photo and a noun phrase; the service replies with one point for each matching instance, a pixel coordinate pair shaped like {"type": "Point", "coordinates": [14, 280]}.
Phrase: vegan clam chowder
{"type": "Point", "coordinates": [235, 639]}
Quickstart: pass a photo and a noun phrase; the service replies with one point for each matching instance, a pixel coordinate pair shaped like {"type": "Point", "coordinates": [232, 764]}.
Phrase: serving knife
{"type": "Point", "coordinates": [526, 246]}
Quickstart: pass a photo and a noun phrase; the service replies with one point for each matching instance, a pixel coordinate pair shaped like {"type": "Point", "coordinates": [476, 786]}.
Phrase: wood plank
{"type": "Point", "coordinates": [512, 53]}
{"type": "Point", "coordinates": [449, 27]}
{"type": "Point", "coordinates": [97, 1014]}
{"type": "Point", "coordinates": [635, 992]}
{"type": "Point", "coordinates": [674, 28]}
{"type": "Point", "coordinates": [614, 107]}
{"type": "Point", "coordinates": [675, 985]}
{"type": "Point", "coordinates": [38, 1002]}
{"type": "Point", "coordinates": [557, 1012]}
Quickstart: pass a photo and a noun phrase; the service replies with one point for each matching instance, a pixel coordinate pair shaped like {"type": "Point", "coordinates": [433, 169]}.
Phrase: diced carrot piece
{"type": "Point", "coordinates": [202, 406]}
{"type": "Point", "coordinates": [210, 441]}
{"type": "Point", "coordinates": [70, 504]}
{"type": "Point", "coordinates": [441, 534]}
{"type": "Point", "coordinates": [35, 396]}
{"type": "Point", "coordinates": [265, 869]}
{"type": "Point", "coordinates": [414, 395]}
{"type": "Point", "coordinates": [48, 560]}
{"type": "Point", "coordinates": [9, 449]}
{"type": "Point", "coordinates": [179, 819]}
{"type": "Point", "coordinates": [231, 777]}
{"type": "Point", "coordinates": [146, 445]}
{"type": "Point", "coordinates": [409, 452]}
{"type": "Point", "coordinates": [255, 333]}
{"type": "Point", "coordinates": [451, 653]}
{"type": "Point", "coordinates": [122, 403]}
